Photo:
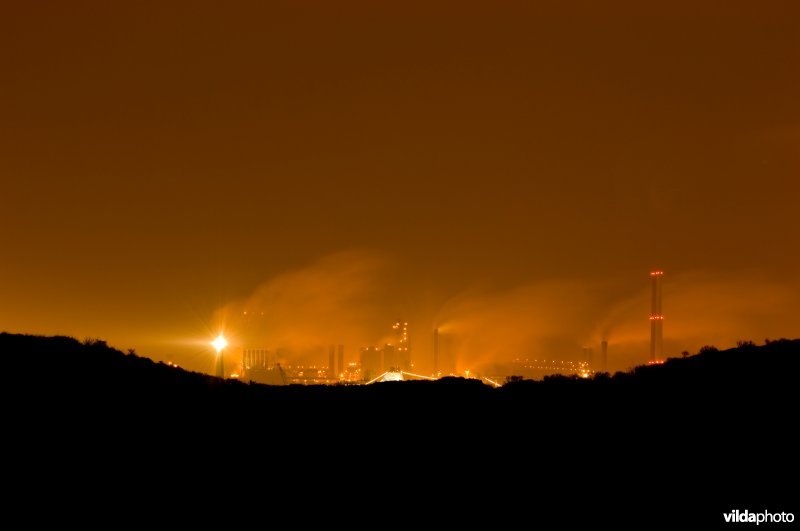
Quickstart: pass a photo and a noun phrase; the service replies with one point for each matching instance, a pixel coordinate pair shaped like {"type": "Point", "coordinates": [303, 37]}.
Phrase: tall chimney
{"type": "Point", "coordinates": [435, 352]}
{"type": "Point", "coordinates": [656, 319]}
{"type": "Point", "coordinates": [220, 365]}
{"type": "Point", "coordinates": [332, 362]}
{"type": "Point", "coordinates": [340, 361]}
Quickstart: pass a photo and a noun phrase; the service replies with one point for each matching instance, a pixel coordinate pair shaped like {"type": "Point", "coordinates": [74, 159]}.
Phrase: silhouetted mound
{"type": "Point", "coordinates": [717, 426]}
{"type": "Point", "coordinates": [65, 369]}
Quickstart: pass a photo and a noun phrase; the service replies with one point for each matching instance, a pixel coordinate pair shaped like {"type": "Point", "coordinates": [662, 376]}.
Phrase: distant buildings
{"type": "Point", "coordinates": [402, 353]}
{"type": "Point", "coordinates": [261, 365]}
{"type": "Point", "coordinates": [371, 362]}
{"type": "Point", "coordinates": [395, 356]}
{"type": "Point", "coordinates": [536, 369]}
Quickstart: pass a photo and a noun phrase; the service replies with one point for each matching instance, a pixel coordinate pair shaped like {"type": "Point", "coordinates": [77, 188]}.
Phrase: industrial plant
{"type": "Point", "coordinates": [392, 361]}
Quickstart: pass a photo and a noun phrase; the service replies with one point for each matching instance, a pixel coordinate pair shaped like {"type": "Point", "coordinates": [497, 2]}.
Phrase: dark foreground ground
{"type": "Point", "coordinates": [674, 445]}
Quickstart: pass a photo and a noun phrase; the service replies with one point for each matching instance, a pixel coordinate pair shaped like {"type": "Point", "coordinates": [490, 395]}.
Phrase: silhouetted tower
{"type": "Point", "coordinates": [220, 365]}
{"type": "Point", "coordinates": [340, 363]}
{"type": "Point", "coordinates": [403, 345]}
{"type": "Point", "coordinates": [371, 362]}
{"type": "Point", "coordinates": [656, 318]}
{"type": "Point", "coordinates": [436, 352]}
{"type": "Point", "coordinates": [604, 356]}
{"type": "Point", "coordinates": [332, 362]}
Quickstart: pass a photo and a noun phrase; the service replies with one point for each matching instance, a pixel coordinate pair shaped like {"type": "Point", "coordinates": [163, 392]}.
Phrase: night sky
{"type": "Point", "coordinates": [508, 171]}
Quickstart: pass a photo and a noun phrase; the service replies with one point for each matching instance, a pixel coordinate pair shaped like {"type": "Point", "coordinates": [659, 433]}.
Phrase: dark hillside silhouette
{"type": "Point", "coordinates": [710, 387]}
{"type": "Point", "coordinates": [697, 433]}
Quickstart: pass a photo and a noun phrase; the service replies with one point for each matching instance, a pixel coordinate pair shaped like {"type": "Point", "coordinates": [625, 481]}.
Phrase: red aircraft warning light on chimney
{"type": "Point", "coordinates": [656, 319]}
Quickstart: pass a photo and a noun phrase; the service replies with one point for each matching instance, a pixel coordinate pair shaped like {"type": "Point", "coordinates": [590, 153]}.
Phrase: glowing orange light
{"type": "Point", "coordinates": [220, 343]}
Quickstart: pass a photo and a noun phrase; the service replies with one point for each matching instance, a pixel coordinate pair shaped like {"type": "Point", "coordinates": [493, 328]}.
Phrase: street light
{"type": "Point", "coordinates": [219, 344]}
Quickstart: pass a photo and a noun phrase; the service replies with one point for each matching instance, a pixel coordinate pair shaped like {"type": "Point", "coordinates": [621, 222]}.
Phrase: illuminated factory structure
{"type": "Point", "coordinates": [536, 369]}
{"type": "Point", "coordinates": [656, 319]}
{"type": "Point", "coordinates": [255, 360]}
{"type": "Point", "coordinates": [336, 362]}
{"type": "Point", "coordinates": [401, 358]}
{"type": "Point", "coordinates": [261, 365]}
{"type": "Point", "coordinates": [392, 357]}
{"type": "Point", "coordinates": [371, 362]}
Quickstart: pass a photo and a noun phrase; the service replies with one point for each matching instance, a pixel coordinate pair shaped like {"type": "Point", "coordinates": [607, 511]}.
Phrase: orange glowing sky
{"type": "Point", "coordinates": [510, 171]}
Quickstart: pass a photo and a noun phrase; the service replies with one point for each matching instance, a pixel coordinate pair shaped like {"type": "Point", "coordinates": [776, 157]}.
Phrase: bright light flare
{"type": "Point", "coordinates": [220, 343]}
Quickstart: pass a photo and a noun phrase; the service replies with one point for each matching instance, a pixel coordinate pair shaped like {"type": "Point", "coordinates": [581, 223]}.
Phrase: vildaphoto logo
{"type": "Point", "coordinates": [765, 517]}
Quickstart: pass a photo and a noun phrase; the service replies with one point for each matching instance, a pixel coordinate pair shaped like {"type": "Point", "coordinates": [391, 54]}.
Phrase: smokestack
{"type": "Point", "coordinates": [656, 319]}
{"type": "Point", "coordinates": [332, 362]}
{"type": "Point", "coordinates": [587, 356]}
{"type": "Point", "coordinates": [604, 356]}
{"type": "Point", "coordinates": [340, 364]}
{"type": "Point", "coordinates": [220, 365]}
{"type": "Point", "coordinates": [436, 352]}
